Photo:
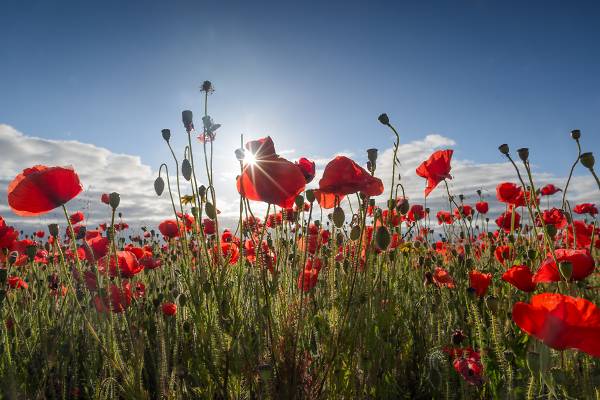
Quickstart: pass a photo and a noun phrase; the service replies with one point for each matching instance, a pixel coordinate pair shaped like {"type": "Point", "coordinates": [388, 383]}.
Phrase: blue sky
{"type": "Point", "coordinates": [313, 75]}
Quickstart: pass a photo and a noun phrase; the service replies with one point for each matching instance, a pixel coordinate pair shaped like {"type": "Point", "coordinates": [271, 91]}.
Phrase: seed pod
{"type": "Point", "coordinates": [338, 217]}
{"type": "Point", "coordinates": [299, 202]}
{"type": "Point", "coordinates": [471, 293]}
{"type": "Point", "coordinates": [114, 199]}
{"type": "Point", "coordinates": [566, 269]}
{"type": "Point", "coordinates": [310, 196]}
{"type": "Point", "coordinates": [492, 303]}
{"type": "Point", "coordinates": [587, 160]}
{"type": "Point", "coordinates": [186, 169]}
{"type": "Point", "coordinates": [206, 287]}
{"type": "Point", "coordinates": [576, 134]}
{"type": "Point", "coordinates": [210, 210]}
{"type": "Point", "coordinates": [182, 300]}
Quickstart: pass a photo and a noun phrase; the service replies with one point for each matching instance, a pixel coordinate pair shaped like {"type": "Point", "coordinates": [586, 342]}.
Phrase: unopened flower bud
{"type": "Point", "coordinates": [159, 186]}
{"type": "Point", "coordinates": [558, 374]}
{"type": "Point", "coordinates": [503, 149]}
{"type": "Point", "coordinates": [566, 269]}
{"type": "Point", "coordinates": [372, 154]}
{"type": "Point", "coordinates": [240, 154]}
{"type": "Point", "coordinates": [383, 118]}
{"type": "Point", "coordinates": [31, 251]}
{"type": "Point", "coordinates": [576, 134]}
{"type": "Point", "coordinates": [114, 199]}
{"type": "Point", "coordinates": [471, 293]}
{"type": "Point", "coordinates": [310, 196]}
{"type": "Point", "coordinates": [166, 134]}
{"type": "Point", "coordinates": [587, 160]}
{"type": "Point", "coordinates": [13, 257]}
{"type": "Point", "coordinates": [523, 154]}
{"type": "Point", "coordinates": [188, 120]}
{"type": "Point", "coordinates": [533, 362]}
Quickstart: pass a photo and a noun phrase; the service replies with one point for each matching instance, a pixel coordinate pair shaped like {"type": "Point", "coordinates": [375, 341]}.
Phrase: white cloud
{"type": "Point", "coordinates": [102, 171]}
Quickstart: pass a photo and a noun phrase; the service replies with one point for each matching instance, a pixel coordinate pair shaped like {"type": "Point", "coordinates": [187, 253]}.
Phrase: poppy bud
{"type": "Point", "coordinates": [201, 191]}
{"type": "Point", "coordinates": [566, 269]}
{"type": "Point", "coordinates": [31, 251]}
{"type": "Point", "coordinates": [492, 303]}
{"type": "Point", "coordinates": [210, 210]}
{"type": "Point", "coordinates": [299, 201]}
{"type": "Point", "coordinates": [366, 364]}
{"type": "Point", "coordinates": [54, 230]}
{"type": "Point", "coordinates": [182, 300]}
{"type": "Point", "coordinates": [576, 134]}
{"type": "Point", "coordinates": [114, 199]}
{"type": "Point", "coordinates": [404, 207]}
{"type": "Point", "coordinates": [187, 327]}
{"type": "Point", "coordinates": [156, 302]}
{"type": "Point", "coordinates": [264, 371]}
{"type": "Point", "coordinates": [240, 154]}
{"type": "Point", "coordinates": [188, 120]}
{"type": "Point", "coordinates": [503, 148]}
{"type": "Point", "coordinates": [186, 169]}
{"type": "Point", "coordinates": [587, 160]}
{"type": "Point", "coordinates": [2, 295]}
{"type": "Point", "coordinates": [523, 153]}
{"type": "Point", "coordinates": [166, 133]}
{"type": "Point", "coordinates": [383, 238]}
{"type": "Point", "coordinates": [533, 362]}
{"type": "Point", "coordinates": [471, 293]}
{"type": "Point", "coordinates": [372, 154]}
{"type": "Point", "coordinates": [3, 275]}
{"type": "Point", "coordinates": [207, 87]}
{"type": "Point", "coordinates": [558, 374]}
{"type": "Point", "coordinates": [551, 229]}
{"type": "Point", "coordinates": [310, 196]}
{"type": "Point", "coordinates": [417, 244]}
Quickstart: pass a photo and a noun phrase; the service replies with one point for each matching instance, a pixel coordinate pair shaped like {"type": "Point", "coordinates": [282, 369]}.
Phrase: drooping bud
{"type": "Point", "coordinates": [159, 186]}
{"type": "Point", "coordinates": [166, 134]}
{"type": "Point", "coordinates": [523, 154]}
{"type": "Point", "coordinates": [503, 149]}
{"type": "Point", "coordinates": [587, 160]}
{"type": "Point", "coordinates": [338, 217]}
{"type": "Point", "coordinates": [114, 199]}
{"type": "Point", "coordinates": [13, 257]}
{"type": "Point", "coordinates": [355, 232]}
{"type": "Point", "coordinates": [186, 169]}
{"type": "Point", "coordinates": [383, 118]}
{"type": "Point", "coordinates": [458, 336]}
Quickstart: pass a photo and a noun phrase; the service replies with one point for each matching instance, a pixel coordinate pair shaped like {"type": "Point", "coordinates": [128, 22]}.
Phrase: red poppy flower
{"type": "Point", "coordinates": [19, 247]}
{"type": "Point", "coordinates": [315, 264]}
{"type": "Point", "coordinates": [40, 189]}
{"type": "Point", "coordinates": [583, 233]}
{"type": "Point", "coordinates": [504, 253]}
{"type": "Point", "coordinates": [443, 277]}
{"type": "Point", "coordinates": [128, 265]}
{"type": "Point", "coordinates": [209, 226]}
{"type": "Point", "coordinates": [307, 168]}
{"type": "Point", "coordinates": [16, 283]}
{"type": "Point", "coordinates": [505, 220]}
{"type": "Point", "coordinates": [270, 178]}
{"type": "Point", "coordinates": [463, 211]}
{"type": "Point", "coordinates": [307, 280]}
{"type": "Point", "coordinates": [585, 208]}
{"type": "Point", "coordinates": [92, 234]}
{"type": "Point", "coordinates": [117, 303]}
{"type": "Point", "coordinates": [444, 218]}
{"type": "Point", "coordinates": [521, 277]}
{"type": "Point", "coordinates": [104, 199]}
{"type": "Point", "coordinates": [99, 246]}
{"type": "Point", "coordinates": [509, 193]}
{"type": "Point", "coordinates": [151, 263]}
{"type": "Point", "coordinates": [189, 220]}
{"type": "Point", "coordinates": [561, 322]}
{"type": "Point", "coordinates": [436, 169]}
{"type": "Point", "coordinates": [139, 252]}
{"type": "Point", "coordinates": [76, 218]}
{"type": "Point", "coordinates": [103, 227]}
{"type": "Point", "coordinates": [169, 228]}
{"type": "Point", "coordinates": [480, 282]}
{"type": "Point", "coordinates": [550, 190]}
{"type": "Point", "coordinates": [482, 208]}
{"type": "Point", "coordinates": [230, 252]}
{"type": "Point", "coordinates": [76, 230]}
{"type": "Point", "coordinates": [468, 364]}
{"type": "Point", "coordinates": [8, 235]}
{"type": "Point", "coordinates": [583, 265]}
{"type": "Point", "coordinates": [169, 309]}
{"type": "Point", "coordinates": [121, 226]}
{"type": "Point", "coordinates": [343, 176]}
{"type": "Point", "coordinates": [416, 211]}
{"type": "Point", "coordinates": [39, 234]}
{"type": "Point", "coordinates": [554, 216]}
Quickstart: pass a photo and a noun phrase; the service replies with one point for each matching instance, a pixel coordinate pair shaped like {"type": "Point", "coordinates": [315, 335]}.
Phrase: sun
{"type": "Point", "coordinates": [249, 158]}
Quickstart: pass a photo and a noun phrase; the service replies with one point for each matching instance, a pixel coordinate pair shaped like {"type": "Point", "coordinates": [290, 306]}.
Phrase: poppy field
{"type": "Point", "coordinates": [330, 294]}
